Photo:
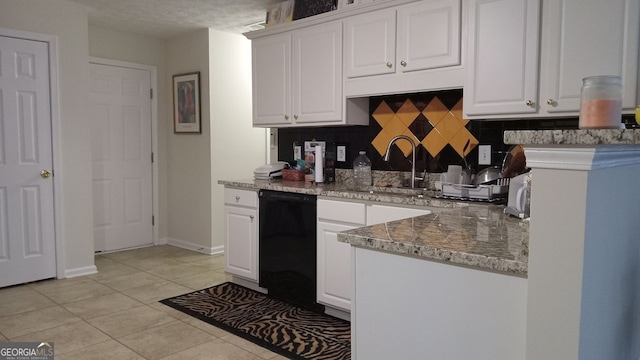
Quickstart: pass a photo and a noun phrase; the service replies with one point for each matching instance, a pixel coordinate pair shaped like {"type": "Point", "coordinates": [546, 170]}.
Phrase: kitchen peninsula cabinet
{"type": "Point", "coordinates": [297, 77]}
{"type": "Point", "coordinates": [578, 39]}
{"type": "Point", "coordinates": [241, 233]}
{"type": "Point", "coordinates": [391, 50]}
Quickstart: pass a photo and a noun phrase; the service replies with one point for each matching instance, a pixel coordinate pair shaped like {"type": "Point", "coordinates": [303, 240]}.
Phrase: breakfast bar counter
{"type": "Point", "coordinates": [480, 236]}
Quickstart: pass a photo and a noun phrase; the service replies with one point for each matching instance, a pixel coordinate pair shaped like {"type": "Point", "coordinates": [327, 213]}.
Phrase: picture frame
{"type": "Point", "coordinates": [186, 103]}
{"type": "Point", "coordinates": [280, 13]}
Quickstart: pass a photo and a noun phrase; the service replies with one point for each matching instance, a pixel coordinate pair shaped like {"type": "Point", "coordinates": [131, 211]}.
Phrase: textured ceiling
{"type": "Point", "coordinates": [168, 18]}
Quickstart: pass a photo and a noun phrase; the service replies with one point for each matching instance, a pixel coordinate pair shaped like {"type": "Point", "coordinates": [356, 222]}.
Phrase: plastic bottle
{"type": "Point", "coordinates": [362, 172]}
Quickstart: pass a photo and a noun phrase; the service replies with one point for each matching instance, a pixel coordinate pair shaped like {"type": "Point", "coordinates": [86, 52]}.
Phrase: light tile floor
{"type": "Point", "coordinates": [115, 314]}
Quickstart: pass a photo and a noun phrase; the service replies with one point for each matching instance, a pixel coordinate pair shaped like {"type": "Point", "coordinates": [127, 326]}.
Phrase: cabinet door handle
{"type": "Point", "coordinates": [529, 103]}
{"type": "Point", "coordinates": [295, 117]}
{"type": "Point", "coordinates": [389, 65]}
{"type": "Point", "coordinates": [286, 117]}
{"type": "Point", "coordinates": [237, 198]}
{"type": "Point", "coordinates": [403, 63]}
{"type": "Point", "coordinates": [251, 217]}
{"type": "Point", "coordinates": [550, 102]}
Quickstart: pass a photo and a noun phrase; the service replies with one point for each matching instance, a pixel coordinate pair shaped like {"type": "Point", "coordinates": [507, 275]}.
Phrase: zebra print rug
{"type": "Point", "coordinates": [293, 332]}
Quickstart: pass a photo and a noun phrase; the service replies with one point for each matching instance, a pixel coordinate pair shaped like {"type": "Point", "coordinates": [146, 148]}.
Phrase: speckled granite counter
{"type": "Point", "coordinates": [339, 190]}
{"type": "Point", "coordinates": [478, 236]}
{"type": "Point", "coordinates": [573, 137]}
{"type": "Point", "coordinates": [475, 235]}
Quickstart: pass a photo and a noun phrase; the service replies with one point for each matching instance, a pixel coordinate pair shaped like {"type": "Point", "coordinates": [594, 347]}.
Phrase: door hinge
{"type": "Point", "coordinates": [153, 220]}
{"type": "Point", "coordinates": [152, 158]}
{"type": "Point", "coordinates": [151, 93]}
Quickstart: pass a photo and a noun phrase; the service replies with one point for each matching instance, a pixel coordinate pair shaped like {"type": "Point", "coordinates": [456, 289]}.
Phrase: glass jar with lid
{"type": "Point", "coordinates": [601, 102]}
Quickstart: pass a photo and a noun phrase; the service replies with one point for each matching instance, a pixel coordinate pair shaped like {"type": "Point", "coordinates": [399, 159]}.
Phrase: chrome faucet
{"type": "Point", "coordinates": [413, 157]}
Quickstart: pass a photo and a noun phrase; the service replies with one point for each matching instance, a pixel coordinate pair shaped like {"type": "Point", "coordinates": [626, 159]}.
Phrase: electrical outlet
{"type": "Point", "coordinates": [484, 154]}
{"type": "Point", "coordinates": [341, 153]}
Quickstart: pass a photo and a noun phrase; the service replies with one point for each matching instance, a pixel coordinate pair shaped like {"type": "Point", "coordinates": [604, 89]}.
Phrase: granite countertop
{"type": "Point", "coordinates": [477, 236]}
{"type": "Point", "coordinates": [573, 137]}
{"type": "Point", "coordinates": [472, 234]}
{"type": "Point", "coordinates": [401, 196]}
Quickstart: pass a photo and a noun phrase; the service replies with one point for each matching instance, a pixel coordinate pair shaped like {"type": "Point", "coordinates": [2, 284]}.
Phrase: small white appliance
{"type": "Point", "coordinates": [270, 171]}
{"type": "Point", "coordinates": [518, 200]}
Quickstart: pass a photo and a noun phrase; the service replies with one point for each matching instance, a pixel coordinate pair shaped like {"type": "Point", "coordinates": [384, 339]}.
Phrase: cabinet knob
{"type": "Point", "coordinates": [403, 63]}
{"type": "Point", "coordinates": [529, 103]}
{"type": "Point", "coordinates": [237, 198]}
{"type": "Point", "coordinates": [251, 217]}
{"type": "Point", "coordinates": [550, 102]}
{"type": "Point", "coordinates": [389, 65]}
{"type": "Point", "coordinates": [295, 117]}
{"type": "Point", "coordinates": [286, 117]}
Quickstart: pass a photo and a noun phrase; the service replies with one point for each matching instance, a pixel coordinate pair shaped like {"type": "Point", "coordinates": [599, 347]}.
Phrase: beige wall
{"type": "Point", "coordinates": [68, 21]}
{"type": "Point", "coordinates": [236, 147]}
{"type": "Point", "coordinates": [189, 175]}
{"type": "Point", "coordinates": [145, 50]}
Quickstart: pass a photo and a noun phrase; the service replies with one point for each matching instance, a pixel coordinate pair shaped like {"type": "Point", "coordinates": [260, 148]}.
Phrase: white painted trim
{"type": "Point", "coordinates": [195, 247]}
{"type": "Point", "coordinates": [52, 42]}
{"type": "Point", "coordinates": [581, 158]}
{"type": "Point", "coordinates": [81, 271]}
{"type": "Point", "coordinates": [154, 134]}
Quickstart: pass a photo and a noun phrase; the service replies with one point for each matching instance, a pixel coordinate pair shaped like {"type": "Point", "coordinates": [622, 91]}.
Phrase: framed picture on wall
{"type": "Point", "coordinates": [186, 103]}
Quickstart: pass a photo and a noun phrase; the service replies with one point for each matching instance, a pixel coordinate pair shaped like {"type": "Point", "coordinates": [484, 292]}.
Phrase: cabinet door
{"type": "Point", "coordinates": [241, 241]}
{"type": "Point", "coordinates": [370, 44]}
{"type": "Point", "coordinates": [271, 62]}
{"type": "Point", "coordinates": [334, 266]}
{"type": "Point", "coordinates": [502, 71]}
{"type": "Point", "coordinates": [585, 38]}
{"type": "Point", "coordinates": [428, 35]}
{"type": "Point", "coordinates": [317, 74]}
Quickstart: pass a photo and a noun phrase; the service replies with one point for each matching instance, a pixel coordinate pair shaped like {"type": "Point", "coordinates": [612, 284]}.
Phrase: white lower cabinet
{"type": "Point", "coordinates": [241, 233]}
{"type": "Point", "coordinates": [334, 283]}
{"type": "Point", "coordinates": [410, 308]}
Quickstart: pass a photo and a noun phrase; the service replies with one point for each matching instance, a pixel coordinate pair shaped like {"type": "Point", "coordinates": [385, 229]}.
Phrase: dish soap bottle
{"type": "Point", "coordinates": [362, 172]}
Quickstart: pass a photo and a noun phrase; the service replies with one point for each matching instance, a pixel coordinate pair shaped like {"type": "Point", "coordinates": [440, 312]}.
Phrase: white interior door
{"type": "Point", "coordinates": [27, 238]}
{"type": "Point", "coordinates": [120, 110]}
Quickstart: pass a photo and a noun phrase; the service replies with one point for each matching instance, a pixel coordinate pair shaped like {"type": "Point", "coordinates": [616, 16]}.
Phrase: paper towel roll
{"type": "Point", "coordinates": [319, 169]}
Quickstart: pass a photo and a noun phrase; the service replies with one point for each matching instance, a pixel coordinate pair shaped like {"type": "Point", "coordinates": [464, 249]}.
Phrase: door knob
{"type": "Point", "coordinates": [403, 63]}
{"type": "Point", "coordinates": [389, 65]}
{"type": "Point", "coordinates": [550, 102]}
{"type": "Point", "coordinates": [45, 173]}
{"type": "Point", "coordinates": [529, 103]}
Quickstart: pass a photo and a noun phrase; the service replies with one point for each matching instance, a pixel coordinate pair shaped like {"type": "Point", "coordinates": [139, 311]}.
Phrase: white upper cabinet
{"type": "Point", "coordinates": [502, 69]}
{"type": "Point", "coordinates": [297, 78]}
{"type": "Point", "coordinates": [272, 80]}
{"type": "Point", "coordinates": [583, 38]}
{"type": "Point", "coordinates": [370, 43]}
{"type": "Point", "coordinates": [579, 38]}
{"type": "Point", "coordinates": [317, 74]}
{"type": "Point", "coordinates": [403, 49]}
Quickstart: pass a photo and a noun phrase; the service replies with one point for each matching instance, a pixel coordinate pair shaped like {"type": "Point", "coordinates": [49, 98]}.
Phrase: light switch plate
{"type": "Point", "coordinates": [484, 154]}
{"type": "Point", "coordinates": [297, 152]}
{"type": "Point", "coordinates": [341, 153]}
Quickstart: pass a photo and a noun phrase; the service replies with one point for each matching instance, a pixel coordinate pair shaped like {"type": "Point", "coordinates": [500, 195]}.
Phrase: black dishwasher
{"type": "Point", "coordinates": [287, 247]}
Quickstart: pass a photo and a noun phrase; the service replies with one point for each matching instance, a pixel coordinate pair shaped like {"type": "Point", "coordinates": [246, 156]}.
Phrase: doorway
{"type": "Point", "coordinates": [121, 110]}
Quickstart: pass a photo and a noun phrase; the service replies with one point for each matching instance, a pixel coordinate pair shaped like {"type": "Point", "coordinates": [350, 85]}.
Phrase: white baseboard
{"type": "Point", "coordinates": [339, 313]}
{"type": "Point", "coordinates": [81, 271]}
{"type": "Point", "coordinates": [195, 247]}
{"type": "Point", "coordinates": [162, 241]}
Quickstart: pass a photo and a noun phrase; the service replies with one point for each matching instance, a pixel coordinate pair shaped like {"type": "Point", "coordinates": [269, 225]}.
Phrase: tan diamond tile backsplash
{"type": "Point", "coordinates": [445, 127]}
